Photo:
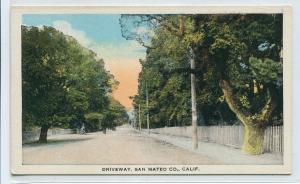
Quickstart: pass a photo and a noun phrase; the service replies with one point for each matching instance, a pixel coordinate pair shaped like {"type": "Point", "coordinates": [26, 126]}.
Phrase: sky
{"type": "Point", "coordinates": [100, 33]}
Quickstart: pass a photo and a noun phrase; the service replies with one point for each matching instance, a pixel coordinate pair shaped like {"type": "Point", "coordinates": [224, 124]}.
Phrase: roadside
{"type": "Point", "coordinates": [225, 154]}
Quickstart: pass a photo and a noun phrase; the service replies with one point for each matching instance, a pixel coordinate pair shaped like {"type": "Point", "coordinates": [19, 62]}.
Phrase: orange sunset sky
{"type": "Point", "coordinates": [126, 72]}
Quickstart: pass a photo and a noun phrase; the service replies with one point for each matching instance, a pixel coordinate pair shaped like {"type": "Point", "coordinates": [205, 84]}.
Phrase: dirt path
{"type": "Point", "coordinates": [123, 146]}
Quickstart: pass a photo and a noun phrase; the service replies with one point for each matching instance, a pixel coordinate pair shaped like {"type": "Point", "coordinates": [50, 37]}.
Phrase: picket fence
{"type": "Point", "coordinates": [30, 136]}
{"type": "Point", "coordinates": [227, 135]}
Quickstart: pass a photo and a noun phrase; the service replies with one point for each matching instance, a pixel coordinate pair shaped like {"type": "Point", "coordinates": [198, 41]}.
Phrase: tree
{"type": "Point", "coordinates": [182, 29]}
{"type": "Point", "coordinates": [94, 121]}
{"type": "Point", "coordinates": [249, 84]}
{"type": "Point", "coordinates": [61, 80]}
{"type": "Point", "coordinates": [42, 79]}
{"type": "Point", "coordinates": [115, 115]}
{"type": "Point", "coordinates": [237, 58]}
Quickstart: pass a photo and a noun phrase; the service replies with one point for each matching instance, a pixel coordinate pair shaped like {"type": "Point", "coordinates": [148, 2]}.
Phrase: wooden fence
{"type": "Point", "coordinates": [228, 135]}
{"type": "Point", "coordinates": [30, 136]}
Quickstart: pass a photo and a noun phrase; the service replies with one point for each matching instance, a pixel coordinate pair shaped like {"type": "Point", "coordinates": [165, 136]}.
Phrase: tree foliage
{"type": "Point", "coordinates": [63, 83]}
{"type": "Point", "coordinates": [238, 69]}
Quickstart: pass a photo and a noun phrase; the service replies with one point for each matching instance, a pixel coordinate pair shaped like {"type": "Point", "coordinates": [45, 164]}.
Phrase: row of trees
{"type": "Point", "coordinates": [231, 63]}
{"type": "Point", "coordinates": [65, 85]}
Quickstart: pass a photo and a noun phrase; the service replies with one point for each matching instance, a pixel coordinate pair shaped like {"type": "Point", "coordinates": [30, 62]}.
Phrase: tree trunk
{"type": "Point", "coordinates": [253, 139]}
{"type": "Point", "coordinates": [254, 125]}
{"type": "Point", "coordinates": [193, 99]}
{"type": "Point", "coordinates": [104, 130]}
{"type": "Point", "coordinates": [43, 134]}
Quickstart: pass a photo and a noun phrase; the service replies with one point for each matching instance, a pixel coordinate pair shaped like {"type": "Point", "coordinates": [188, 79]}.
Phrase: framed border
{"type": "Point", "coordinates": [16, 94]}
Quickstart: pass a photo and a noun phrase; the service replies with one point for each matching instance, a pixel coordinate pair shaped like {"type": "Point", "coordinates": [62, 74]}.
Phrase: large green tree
{"type": "Point", "coordinates": [42, 78]}
{"type": "Point", "coordinates": [236, 58]}
{"type": "Point", "coordinates": [246, 51]}
{"type": "Point", "coordinates": [61, 81]}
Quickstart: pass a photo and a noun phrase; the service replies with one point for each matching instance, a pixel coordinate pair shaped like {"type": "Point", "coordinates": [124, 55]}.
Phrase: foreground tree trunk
{"type": "Point", "coordinates": [254, 125]}
{"type": "Point", "coordinates": [43, 134]}
{"type": "Point", "coordinates": [253, 139]}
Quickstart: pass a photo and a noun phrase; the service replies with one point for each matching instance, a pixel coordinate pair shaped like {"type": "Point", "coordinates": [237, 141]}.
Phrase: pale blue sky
{"type": "Point", "coordinates": [98, 32]}
{"type": "Point", "coordinates": [100, 27]}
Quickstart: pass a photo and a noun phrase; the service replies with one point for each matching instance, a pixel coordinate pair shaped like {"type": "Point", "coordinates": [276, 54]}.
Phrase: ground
{"type": "Point", "coordinates": [123, 146]}
{"type": "Point", "coordinates": [129, 146]}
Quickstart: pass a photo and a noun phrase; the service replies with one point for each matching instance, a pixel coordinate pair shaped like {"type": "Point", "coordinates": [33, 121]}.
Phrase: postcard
{"type": "Point", "coordinates": [180, 90]}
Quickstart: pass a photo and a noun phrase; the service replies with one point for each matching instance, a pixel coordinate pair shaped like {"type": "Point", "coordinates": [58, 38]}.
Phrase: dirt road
{"type": "Point", "coordinates": [123, 146]}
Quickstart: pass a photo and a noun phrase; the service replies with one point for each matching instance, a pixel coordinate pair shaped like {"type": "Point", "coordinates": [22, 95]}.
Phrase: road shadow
{"type": "Point", "coordinates": [56, 142]}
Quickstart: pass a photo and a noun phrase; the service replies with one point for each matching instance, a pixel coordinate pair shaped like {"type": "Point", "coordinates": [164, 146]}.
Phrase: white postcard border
{"type": "Point", "coordinates": [16, 98]}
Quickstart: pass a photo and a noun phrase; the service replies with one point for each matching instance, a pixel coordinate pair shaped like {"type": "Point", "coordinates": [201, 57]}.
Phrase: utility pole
{"type": "Point", "coordinates": [147, 104]}
{"type": "Point", "coordinates": [140, 123]}
{"type": "Point", "coordinates": [193, 96]}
